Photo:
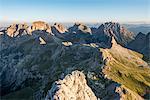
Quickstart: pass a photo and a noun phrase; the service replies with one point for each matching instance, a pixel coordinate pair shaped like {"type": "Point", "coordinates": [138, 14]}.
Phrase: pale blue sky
{"type": "Point", "coordinates": [75, 10]}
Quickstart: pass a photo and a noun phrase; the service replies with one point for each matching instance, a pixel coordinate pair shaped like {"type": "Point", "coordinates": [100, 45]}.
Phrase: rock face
{"type": "Point", "coordinates": [40, 25]}
{"type": "Point", "coordinates": [79, 27]}
{"type": "Point", "coordinates": [42, 40]}
{"type": "Point", "coordinates": [72, 87]}
{"type": "Point", "coordinates": [79, 33]}
{"type": "Point", "coordinates": [17, 29]}
{"type": "Point", "coordinates": [11, 30]}
{"type": "Point", "coordinates": [60, 28]}
{"type": "Point", "coordinates": [104, 33]}
{"type": "Point", "coordinates": [67, 43]}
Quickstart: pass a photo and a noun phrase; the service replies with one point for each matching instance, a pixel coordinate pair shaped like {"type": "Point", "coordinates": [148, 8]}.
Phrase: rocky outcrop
{"type": "Point", "coordinates": [11, 30]}
{"type": "Point", "coordinates": [105, 31]}
{"type": "Point", "coordinates": [72, 87]}
{"type": "Point", "coordinates": [40, 25]}
{"type": "Point", "coordinates": [67, 43]}
{"type": "Point", "coordinates": [17, 29]}
{"type": "Point", "coordinates": [42, 41]}
{"type": "Point", "coordinates": [79, 33]}
{"type": "Point", "coordinates": [60, 28]}
{"type": "Point", "coordinates": [80, 28]}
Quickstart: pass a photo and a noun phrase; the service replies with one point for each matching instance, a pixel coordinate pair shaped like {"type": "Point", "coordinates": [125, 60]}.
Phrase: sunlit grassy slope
{"type": "Point", "coordinates": [127, 68]}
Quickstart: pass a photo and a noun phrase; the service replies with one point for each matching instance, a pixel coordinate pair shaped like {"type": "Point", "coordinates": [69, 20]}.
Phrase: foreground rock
{"type": "Point", "coordinates": [72, 87]}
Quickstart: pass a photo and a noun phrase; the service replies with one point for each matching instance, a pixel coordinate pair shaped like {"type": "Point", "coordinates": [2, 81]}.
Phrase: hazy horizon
{"type": "Point", "coordinates": [125, 11]}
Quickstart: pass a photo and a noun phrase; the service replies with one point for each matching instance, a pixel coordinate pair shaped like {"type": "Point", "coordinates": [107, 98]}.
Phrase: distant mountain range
{"type": "Point", "coordinates": [136, 28]}
{"type": "Point", "coordinates": [141, 44]}
{"type": "Point", "coordinates": [107, 57]}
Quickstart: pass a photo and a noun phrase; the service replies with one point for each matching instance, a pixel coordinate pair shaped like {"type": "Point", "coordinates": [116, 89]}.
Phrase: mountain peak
{"type": "Point", "coordinates": [121, 34]}
{"type": "Point", "coordinates": [140, 36]}
{"type": "Point", "coordinates": [17, 29]}
{"type": "Point", "coordinates": [60, 27]}
{"type": "Point", "coordinates": [80, 27]}
{"type": "Point", "coordinates": [40, 25]}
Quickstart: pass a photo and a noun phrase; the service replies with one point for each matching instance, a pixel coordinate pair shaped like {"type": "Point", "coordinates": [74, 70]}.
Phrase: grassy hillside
{"type": "Point", "coordinates": [127, 68]}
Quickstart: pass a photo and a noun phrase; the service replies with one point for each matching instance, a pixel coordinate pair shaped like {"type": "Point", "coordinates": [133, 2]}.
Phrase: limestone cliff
{"type": "Point", "coordinates": [72, 87]}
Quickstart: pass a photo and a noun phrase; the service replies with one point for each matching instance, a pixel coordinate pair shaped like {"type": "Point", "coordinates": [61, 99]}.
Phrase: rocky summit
{"type": "Point", "coordinates": [42, 61]}
{"type": "Point", "coordinates": [72, 87]}
{"type": "Point", "coordinates": [39, 25]}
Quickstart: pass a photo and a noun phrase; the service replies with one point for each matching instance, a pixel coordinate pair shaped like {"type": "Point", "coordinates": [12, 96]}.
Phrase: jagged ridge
{"type": "Point", "coordinates": [38, 59]}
